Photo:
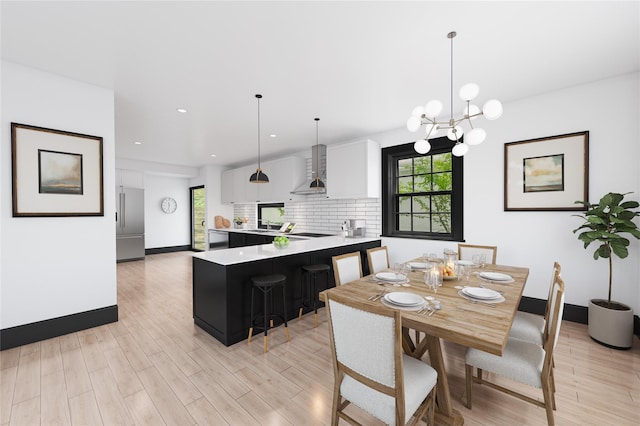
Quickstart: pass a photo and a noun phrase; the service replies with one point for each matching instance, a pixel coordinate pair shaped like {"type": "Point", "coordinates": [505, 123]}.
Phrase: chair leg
{"type": "Point", "coordinates": [284, 312]}
{"type": "Point", "coordinates": [251, 318]}
{"type": "Point", "coordinates": [549, 403]}
{"type": "Point", "coordinates": [265, 316]}
{"type": "Point", "coordinates": [313, 297]}
{"type": "Point", "coordinates": [468, 375]}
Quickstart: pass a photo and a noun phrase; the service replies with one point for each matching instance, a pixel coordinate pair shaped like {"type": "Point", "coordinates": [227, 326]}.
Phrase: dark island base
{"type": "Point", "coordinates": [222, 294]}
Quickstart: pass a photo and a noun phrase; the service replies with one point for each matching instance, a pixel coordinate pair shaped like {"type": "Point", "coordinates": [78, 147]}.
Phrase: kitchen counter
{"type": "Point", "coordinates": [237, 255]}
{"type": "Point", "coordinates": [222, 280]}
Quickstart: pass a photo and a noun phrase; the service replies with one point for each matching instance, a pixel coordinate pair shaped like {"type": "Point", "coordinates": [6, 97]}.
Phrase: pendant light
{"type": "Point", "coordinates": [259, 176]}
{"type": "Point", "coordinates": [317, 183]}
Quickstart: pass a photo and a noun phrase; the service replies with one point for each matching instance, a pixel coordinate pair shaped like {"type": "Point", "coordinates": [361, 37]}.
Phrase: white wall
{"type": "Point", "coordinates": [53, 267]}
{"type": "Point", "coordinates": [162, 229]}
{"type": "Point", "coordinates": [609, 110]}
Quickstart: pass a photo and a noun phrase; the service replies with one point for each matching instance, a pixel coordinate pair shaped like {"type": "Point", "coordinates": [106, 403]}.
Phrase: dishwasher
{"type": "Point", "coordinates": [218, 239]}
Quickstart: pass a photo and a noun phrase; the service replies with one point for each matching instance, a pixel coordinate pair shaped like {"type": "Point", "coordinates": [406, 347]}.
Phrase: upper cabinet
{"type": "Point", "coordinates": [285, 175]}
{"type": "Point", "coordinates": [354, 170]}
{"type": "Point", "coordinates": [129, 178]}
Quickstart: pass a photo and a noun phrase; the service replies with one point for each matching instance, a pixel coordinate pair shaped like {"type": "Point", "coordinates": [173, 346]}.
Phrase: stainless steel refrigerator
{"type": "Point", "coordinates": [129, 223]}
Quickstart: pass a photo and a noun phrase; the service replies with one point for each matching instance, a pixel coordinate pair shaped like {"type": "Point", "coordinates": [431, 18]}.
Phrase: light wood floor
{"type": "Point", "coordinates": [155, 367]}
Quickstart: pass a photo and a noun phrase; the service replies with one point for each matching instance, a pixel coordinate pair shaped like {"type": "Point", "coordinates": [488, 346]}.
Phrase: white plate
{"type": "Point", "coordinates": [390, 276]}
{"type": "Point", "coordinates": [403, 299]}
{"type": "Point", "coordinates": [481, 293]}
{"type": "Point", "coordinates": [465, 262]}
{"type": "Point", "coordinates": [418, 265]}
{"type": "Point", "coordinates": [495, 276]}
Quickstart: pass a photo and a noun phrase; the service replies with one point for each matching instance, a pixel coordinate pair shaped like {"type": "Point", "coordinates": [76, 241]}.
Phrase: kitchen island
{"type": "Point", "coordinates": [222, 280]}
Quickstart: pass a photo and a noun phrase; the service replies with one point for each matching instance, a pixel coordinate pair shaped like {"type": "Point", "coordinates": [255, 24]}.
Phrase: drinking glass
{"type": "Point", "coordinates": [483, 260]}
{"type": "Point", "coordinates": [397, 269]}
{"type": "Point", "coordinates": [476, 260]}
{"type": "Point", "coordinates": [433, 278]}
{"type": "Point", "coordinates": [406, 269]}
{"type": "Point", "coordinates": [464, 272]}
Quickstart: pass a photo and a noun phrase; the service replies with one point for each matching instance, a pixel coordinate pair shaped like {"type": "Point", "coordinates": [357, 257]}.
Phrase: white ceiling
{"type": "Point", "coordinates": [359, 66]}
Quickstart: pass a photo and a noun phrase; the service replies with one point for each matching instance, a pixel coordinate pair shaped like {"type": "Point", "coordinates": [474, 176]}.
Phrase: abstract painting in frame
{"type": "Point", "coordinates": [56, 173]}
{"type": "Point", "coordinates": [547, 174]}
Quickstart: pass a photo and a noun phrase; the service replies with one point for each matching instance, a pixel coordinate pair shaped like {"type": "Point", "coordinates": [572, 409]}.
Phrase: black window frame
{"type": "Point", "coordinates": [267, 205]}
{"type": "Point", "coordinates": [390, 208]}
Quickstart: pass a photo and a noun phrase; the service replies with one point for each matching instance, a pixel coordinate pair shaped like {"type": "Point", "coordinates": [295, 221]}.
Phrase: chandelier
{"type": "Point", "coordinates": [428, 115]}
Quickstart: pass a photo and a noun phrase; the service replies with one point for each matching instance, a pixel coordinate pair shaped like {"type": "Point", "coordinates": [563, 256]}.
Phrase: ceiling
{"type": "Point", "coordinates": [359, 66]}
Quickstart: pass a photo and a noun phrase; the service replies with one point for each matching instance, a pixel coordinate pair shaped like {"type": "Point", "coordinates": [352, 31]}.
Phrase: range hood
{"type": "Point", "coordinates": [318, 158]}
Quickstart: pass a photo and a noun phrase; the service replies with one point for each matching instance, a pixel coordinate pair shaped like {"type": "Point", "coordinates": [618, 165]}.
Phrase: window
{"type": "Point", "coordinates": [271, 214]}
{"type": "Point", "coordinates": [422, 193]}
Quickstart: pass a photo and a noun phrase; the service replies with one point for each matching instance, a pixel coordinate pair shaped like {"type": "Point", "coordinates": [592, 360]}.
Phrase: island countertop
{"type": "Point", "coordinates": [239, 255]}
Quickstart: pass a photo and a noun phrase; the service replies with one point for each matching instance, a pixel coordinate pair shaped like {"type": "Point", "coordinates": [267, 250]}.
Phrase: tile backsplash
{"type": "Point", "coordinates": [316, 213]}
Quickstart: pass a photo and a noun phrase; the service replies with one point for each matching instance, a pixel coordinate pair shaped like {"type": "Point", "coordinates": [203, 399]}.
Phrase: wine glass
{"type": "Point", "coordinates": [483, 260]}
{"type": "Point", "coordinates": [406, 269]}
{"type": "Point", "coordinates": [397, 269]}
{"type": "Point", "coordinates": [464, 271]}
{"type": "Point", "coordinates": [433, 278]}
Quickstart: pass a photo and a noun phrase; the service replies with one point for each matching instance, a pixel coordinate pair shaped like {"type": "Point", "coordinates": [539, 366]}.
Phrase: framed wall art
{"type": "Point", "coordinates": [547, 174]}
{"type": "Point", "coordinates": [56, 173]}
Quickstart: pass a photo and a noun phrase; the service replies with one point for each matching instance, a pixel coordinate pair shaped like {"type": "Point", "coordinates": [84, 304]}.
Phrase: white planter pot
{"type": "Point", "coordinates": [611, 327]}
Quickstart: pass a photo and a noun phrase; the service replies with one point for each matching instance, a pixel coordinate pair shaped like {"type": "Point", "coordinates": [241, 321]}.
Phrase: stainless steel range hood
{"type": "Point", "coordinates": [318, 158]}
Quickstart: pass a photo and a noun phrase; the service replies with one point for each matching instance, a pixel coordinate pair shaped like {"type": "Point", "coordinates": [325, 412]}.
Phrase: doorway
{"type": "Point", "coordinates": [198, 222]}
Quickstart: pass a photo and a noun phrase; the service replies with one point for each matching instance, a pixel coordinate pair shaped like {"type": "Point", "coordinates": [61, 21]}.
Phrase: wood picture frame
{"type": "Point", "coordinates": [55, 173]}
{"type": "Point", "coordinates": [547, 174]}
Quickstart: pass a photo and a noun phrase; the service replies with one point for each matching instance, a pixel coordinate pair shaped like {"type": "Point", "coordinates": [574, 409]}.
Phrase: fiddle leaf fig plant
{"type": "Point", "coordinates": [604, 224]}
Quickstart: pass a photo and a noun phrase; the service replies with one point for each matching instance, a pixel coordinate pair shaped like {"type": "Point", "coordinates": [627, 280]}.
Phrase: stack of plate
{"type": "Point", "coordinates": [496, 276]}
{"type": "Point", "coordinates": [480, 293]}
{"type": "Point", "coordinates": [418, 265]}
{"type": "Point", "coordinates": [391, 277]}
{"type": "Point", "coordinates": [404, 300]}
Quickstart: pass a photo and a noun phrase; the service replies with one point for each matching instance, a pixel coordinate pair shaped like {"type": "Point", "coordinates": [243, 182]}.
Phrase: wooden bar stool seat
{"type": "Point", "coordinates": [266, 284]}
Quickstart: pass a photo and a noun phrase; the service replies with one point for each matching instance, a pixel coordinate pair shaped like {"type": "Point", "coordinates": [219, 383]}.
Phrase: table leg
{"type": "Point", "coordinates": [445, 414]}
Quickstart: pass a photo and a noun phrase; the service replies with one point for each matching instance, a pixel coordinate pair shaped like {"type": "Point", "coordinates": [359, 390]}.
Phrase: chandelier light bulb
{"type": "Point", "coordinates": [460, 149]}
{"type": "Point", "coordinates": [418, 111]}
{"type": "Point", "coordinates": [454, 136]}
{"type": "Point", "coordinates": [413, 123]}
{"type": "Point", "coordinates": [433, 109]}
{"type": "Point", "coordinates": [469, 91]}
{"type": "Point", "coordinates": [492, 109]}
{"type": "Point", "coordinates": [475, 136]}
{"type": "Point", "coordinates": [471, 111]}
{"type": "Point", "coordinates": [422, 146]}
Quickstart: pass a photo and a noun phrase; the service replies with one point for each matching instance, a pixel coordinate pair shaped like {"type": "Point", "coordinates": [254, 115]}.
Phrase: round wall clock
{"type": "Point", "coordinates": [168, 205]}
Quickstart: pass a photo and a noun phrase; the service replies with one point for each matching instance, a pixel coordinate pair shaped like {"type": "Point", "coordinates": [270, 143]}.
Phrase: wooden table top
{"type": "Point", "coordinates": [475, 325]}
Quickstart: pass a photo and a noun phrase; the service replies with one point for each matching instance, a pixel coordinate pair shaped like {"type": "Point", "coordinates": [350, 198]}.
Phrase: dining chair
{"type": "Point", "coordinates": [466, 252]}
{"type": "Point", "coordinates": [378, 259]}
{"type": "Point", "coordinates": [347, 267]}
{"type": "Point", "coordinates": [531, 327]}
{"type": "Point", "coordinates": [522, 361]}
{"type": "Point", "coordinates": [371, 371]}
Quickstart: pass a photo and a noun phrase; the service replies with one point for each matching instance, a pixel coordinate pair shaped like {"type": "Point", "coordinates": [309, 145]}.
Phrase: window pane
{"type": "Point", "coordinates": [442, 162]}
{"type": "Point", "coordinates": [422, 165]}
{"type": "Point", "coordinates": [421, 204]}
{"type": "Point", "coordinates": [441, 223]}
{"type": "Point", "coordinates": [441, 203]}
{"type": "Point", "coordinates": [423, 183]}
{"type": "Point", "coordinates": [404, 167]}
{"type": "Point", "coordinates": [442, 181]}
{"type": "Point", "coordinates": [404, 204]}
{"type": "Point", "coordinates": [405, 185]}
{"type": "Point", "coordinates": [421, 223]}
{"type": "Point", "coordinates": [404, 222]}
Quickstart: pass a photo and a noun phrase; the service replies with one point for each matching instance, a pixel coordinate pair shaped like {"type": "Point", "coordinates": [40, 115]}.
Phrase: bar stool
{"type": "Point", "coordinates": [266, 283]}
{"type": "Point", "coordinates": [311, 272]}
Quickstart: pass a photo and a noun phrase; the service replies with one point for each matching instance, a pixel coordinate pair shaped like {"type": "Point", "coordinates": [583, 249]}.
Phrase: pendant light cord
{"type": "Point", "coordinates": [258, 96]}
{"type": "Point", "coordinates": [451, 36]}
{"type": "Point", "coordinates": [317, 152]}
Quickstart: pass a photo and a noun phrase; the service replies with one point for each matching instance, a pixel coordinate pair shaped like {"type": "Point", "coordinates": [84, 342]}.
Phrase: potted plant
{"type": "Point", "coordinates": [610, 322]}
{"type": "Point", "coordinates": [239, 221]}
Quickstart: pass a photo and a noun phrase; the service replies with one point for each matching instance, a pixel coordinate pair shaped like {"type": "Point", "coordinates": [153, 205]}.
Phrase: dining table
{"type": "Point", "coordinates": [480, 324]}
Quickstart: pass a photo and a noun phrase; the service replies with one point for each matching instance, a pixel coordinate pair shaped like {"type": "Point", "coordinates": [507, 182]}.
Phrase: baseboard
{"type": "Point", "coordinates": [573, 313]}
{"type": "Point", "coordinates": [42, 330]}
{"type": "Point", "coordinates": [171, 249]}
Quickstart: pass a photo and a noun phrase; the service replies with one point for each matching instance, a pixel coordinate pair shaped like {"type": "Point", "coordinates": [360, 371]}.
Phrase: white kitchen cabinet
{"type": "Point", "coordinates": [285, 175]}
{"type": "Point", "coordinates": [353, 170]}
{"type": "Point", "coordinates": [130, 178]}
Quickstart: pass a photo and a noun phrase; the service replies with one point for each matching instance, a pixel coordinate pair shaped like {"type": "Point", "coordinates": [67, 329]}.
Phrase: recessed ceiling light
{"type": "Point", "coordinates": [137, 143]}
{"type": "Point", "coordinates": [182, 110]}
{"type": "Point", "coordinates": [273, 136]}
{"type": "Point", "coordinates": [213, 155]}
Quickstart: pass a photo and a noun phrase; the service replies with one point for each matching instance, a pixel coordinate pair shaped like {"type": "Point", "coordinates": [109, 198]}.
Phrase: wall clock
{"type": "Point", "coordinates": [168, 205]}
